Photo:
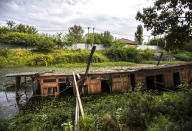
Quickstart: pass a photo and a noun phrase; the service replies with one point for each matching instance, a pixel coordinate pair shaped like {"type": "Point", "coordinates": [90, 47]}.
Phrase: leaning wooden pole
{"type": "Point", "coordinates": [88, 64]}
{"type": "Point", "coordinates": [78, 96]}
{"type": "Point", "coordinates": [160, 57]}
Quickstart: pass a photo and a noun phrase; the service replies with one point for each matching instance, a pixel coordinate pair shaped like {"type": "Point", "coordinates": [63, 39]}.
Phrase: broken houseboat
{"type": "Point", "coordinates": [157, 77]}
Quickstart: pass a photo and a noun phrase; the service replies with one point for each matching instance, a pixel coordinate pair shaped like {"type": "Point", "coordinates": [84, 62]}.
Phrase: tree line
{"type": "Point", "coordinates": [28, 36]}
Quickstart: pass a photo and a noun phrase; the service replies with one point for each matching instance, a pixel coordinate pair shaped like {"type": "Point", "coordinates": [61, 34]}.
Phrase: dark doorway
{"type": "Point", "coordinates": [176, 79]}
{"type": "Point", "coordinates": [159, 82]}
{"type": "Point", "coordinates": [65, 89]}
{"type": "Point", "coordinates": [150, 82]}
{"type": "Point", "coordinates": [132, 78]}
{"type": "Point", "coordinates": [38, 91]}
{"type": "Point", "coordinates": [105, 86]}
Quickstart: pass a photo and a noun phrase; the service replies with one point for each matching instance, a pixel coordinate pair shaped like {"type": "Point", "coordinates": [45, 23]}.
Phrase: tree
{"type": "Point", "coordinates": [58, 40]}
{"type": "Point", "coordinates": [10, 24]}
{"type": "Point", "coordinates": [13, 27]}
{"type": "Point", "coordinates": [95, 38]}
{"type": "Point", "coordinates": [157, 41]}
{"type": "Point", "coordinates": [169, 17]}
{"type": "Point", "coordinates": [107, 39]}
{"type": "Point", "coordinates": [139, 34]}
{"type": "Point", "coordinates": [25, 29]}
{"type": "Point", "coordinates": [75, 34]}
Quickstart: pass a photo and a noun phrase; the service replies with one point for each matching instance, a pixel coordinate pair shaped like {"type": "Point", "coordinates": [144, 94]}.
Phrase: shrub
{"type": "Point", "coordinates": [124, 54]}
{"type": "Point", "coordinates": [41, 60]}
{"type": "Point", "coordinates": [17, 38]}
{"type": "Point", "coordinates": [45, 43]}
{"type": "Point", "coordinates": [147, 54]}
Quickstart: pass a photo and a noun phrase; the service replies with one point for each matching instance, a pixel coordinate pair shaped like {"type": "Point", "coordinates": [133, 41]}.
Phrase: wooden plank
{"type": "Point", "coordinates": [77, 115]}
{"type": "Point", "coordinates": [78, 96]}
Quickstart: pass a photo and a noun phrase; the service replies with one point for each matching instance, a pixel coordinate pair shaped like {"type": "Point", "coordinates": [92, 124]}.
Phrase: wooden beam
{"type": "Point", "coordinates": [160, 57]}
{"type": "Point", "coordinates": [77, 116]}
{"type": "Point", "coordinates": [78, 96]}
{"type": "Point", "coordinates": [88, 64]}
{"type": "Point", "coordinates": [33, 87]}
{"type": "Point", "coordinates": [17, 85]}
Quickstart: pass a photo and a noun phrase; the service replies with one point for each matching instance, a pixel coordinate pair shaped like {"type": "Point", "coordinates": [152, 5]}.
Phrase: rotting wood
{"type": "Point", "coordinates": [78, 96]}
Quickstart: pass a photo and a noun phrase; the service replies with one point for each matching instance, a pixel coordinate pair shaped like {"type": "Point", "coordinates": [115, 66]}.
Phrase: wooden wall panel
{"type": "Point", "coordinates": [168, 79]}
{"type": "Point", "coordinates": [116, 83]}
{"type": "Point", "coordinates": [94, 86]}
{"type": "Point", "coordinates": [125, 82]}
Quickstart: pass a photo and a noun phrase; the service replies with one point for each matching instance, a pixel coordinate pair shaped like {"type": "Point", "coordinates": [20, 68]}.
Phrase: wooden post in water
{"type": "Point", "coordinates": [25, 86]}
{"type": "Point", "coordinates": [32, 83]}
{"type": "Point", "coordinates": [17, 85]}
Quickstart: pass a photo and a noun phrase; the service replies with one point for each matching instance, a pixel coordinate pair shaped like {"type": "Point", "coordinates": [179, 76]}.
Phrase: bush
{"type": "Point", "coordinates": [41, 60]}
{"type": "Point", "coordinates": [124, 54]}
{"type": "Point", "coordinates": [19, 39]}
{"type": "Point", "coordinates": [45, 43]}
{"type": "Point", "coordinates": [147, 54]}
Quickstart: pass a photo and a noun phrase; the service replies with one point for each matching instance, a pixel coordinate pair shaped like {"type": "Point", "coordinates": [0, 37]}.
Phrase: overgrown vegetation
{"type": "Point", "coordinates": [118, 53]}
{"type": "Point", "coordinates": [114, 56]}
{"type": "Point", "coordinates": [138, 111]}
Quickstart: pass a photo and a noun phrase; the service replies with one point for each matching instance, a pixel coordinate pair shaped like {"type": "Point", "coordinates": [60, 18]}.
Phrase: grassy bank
{"type": "Point", "coordinates": [118, 111]}
{"type": "Point", "coordinates": [68, 58]}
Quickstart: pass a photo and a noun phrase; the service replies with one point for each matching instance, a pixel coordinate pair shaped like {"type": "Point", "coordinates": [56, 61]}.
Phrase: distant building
{"type": "Point", "coordinates": [128, 42]}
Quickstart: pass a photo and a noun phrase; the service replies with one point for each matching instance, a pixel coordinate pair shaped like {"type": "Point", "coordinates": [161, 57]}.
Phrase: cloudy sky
{"type": "Point", "coordinates": [51, 16]}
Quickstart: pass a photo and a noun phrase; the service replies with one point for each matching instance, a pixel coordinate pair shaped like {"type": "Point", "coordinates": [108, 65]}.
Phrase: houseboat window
{"type": "Point", "coordinates": [49, 91]}
{"type": "Point", "coordinates": [69, 79]}
{"type": "Point", "coordinates": [54, 90]}
{"type": "Point", "coordinates": [94, 77]}
{"type": "Point", "coordinates": [140, 74]}
{"type": "Point", "coordinates": [116, 76]}
{"type": "Point", "coordinates": [49, 80]}
{"type": "Point", "coordinates": [105, 76]}
{"type": "Point", "coordinates": [61, 79]}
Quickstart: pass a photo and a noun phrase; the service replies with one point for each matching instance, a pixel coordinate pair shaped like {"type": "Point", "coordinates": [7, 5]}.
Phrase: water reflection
{"type": "Point", "coordinates": [10, 104]}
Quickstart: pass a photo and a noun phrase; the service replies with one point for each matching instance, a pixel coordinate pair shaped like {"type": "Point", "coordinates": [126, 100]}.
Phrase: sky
{"type": "Point", "coordinates": [52, 16]}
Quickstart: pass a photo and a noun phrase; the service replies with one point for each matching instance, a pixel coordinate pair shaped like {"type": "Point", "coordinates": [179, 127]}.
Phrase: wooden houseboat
{"type": "Point", "coordinates": [164, 76]}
